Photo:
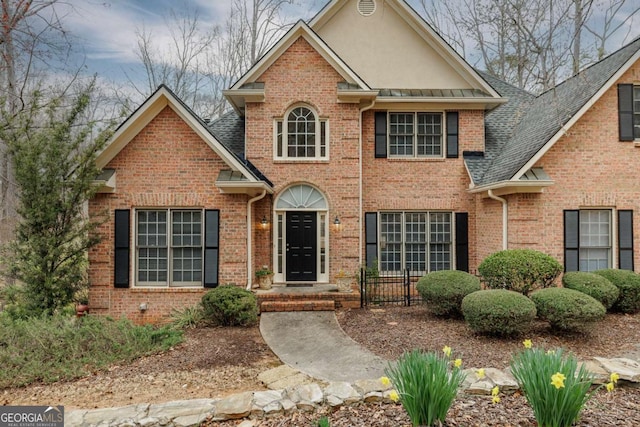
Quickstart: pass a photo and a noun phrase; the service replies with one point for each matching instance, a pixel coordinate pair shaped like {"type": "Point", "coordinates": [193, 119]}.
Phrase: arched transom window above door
{"type": "Point", "coordinates": [301, 196]}
{"type": "Point", "coordinates": [301, 135]}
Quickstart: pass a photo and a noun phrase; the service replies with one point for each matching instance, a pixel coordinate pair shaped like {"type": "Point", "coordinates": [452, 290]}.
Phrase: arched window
{"type": "Point", "coordinates": [301, 135]}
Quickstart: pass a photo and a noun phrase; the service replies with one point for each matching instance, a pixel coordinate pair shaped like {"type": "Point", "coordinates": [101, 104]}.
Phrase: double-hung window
{"type": "Point", "coordinates": [301, 135]}
{"type": "Point", "coordinates": [415, 135]}
{"type": "Point", "coordinates": [418, 241]}
{"type": "Point", "coordinates": [595, 239]}
{"type": "Point", "coordinates": [169, 247]}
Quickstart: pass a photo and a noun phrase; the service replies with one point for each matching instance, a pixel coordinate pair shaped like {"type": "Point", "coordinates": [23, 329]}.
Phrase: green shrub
{"type": "Point", "coordinates": [49, 349]}
{"type": "Point", "coordinates": [444, 290]}
{"type": "Point", "coordinates": [520, 270]}
{"type": "Point", "coordinates": [595, 286]}
{"type": "Point", "coordinates": [628, 283]}
{"type": "Point", "coordinates": [498, 312]}
{"type": "Point", "coordinates": [426, 385]}
{"type": "Point", "coordinates": [567, 309]}
{"type": "Point", "coordinates": [553, 385]}
{"type": "Point", "coordinates": [230, 305]}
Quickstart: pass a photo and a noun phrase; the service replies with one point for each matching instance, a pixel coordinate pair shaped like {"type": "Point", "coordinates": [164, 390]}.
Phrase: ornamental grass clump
{"type": "Point", "coordinates": [426, 384]}
{"type": "Point", "coordinates": [553, 384]}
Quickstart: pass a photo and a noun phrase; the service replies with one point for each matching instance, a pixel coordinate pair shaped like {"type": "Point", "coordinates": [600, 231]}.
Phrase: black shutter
{"type": "Point", "coordinates": [462, 241]}
{"type": "Point", "coordinates": [625, 240]}
{"type": "Point", "coordinates": [571, 240]}
{"type": "Point", "coordinates": [452, 135]}
{"type": "Point", "coordinates": [122, 242]}
{"type": "Point", "coordinates": [381, 134]}
{"type": "Point", "coordinates": [371, 237]}
{"type": "Point", "coordinates": [625, 112]}
{"type": "Point", "coordinates": [211, 247]}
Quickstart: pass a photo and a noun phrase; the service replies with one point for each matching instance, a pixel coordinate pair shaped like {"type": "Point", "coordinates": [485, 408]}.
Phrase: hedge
{"type": "Point", "coordinates": [567, 309]}
{"type": "Point", "coordinates": [230, 305]}
{"type": "Point", "coordinates": [498, 312]}
{"type": "Point", "coordinates": [628, 283]}
{"type": "Point", "coordinates": [594, 285]}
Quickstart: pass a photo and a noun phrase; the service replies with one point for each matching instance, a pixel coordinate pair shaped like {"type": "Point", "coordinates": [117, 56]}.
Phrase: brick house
{"type": "Point", "coordinates": [362, 137]}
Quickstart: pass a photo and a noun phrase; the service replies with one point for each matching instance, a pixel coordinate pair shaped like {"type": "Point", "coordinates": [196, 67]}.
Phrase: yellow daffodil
{"type": "Point", "coordinates": [394, 396]}
{"type": "Point", "coordinates": [495, 391]}
{"type": "Point", "coordinates": [480, 373]}
{"type": "Point", "coordinates": [457, 363]}
{"type": "Point", "coordinates": [550, 352]}
{"type": "Point", "coordinates": [495, 399]}
{"type": "Point", "coordinates": [385, 381]}
{"type": "Point", "coordinates": [446, 350]}
{"type": "Point", "coordinates": [557, 380]}
{"type": "Point", "coordinates": [610, 386]}
{"type": "Point", "coordinates": [527, 343]}
{"type": "Point", "coordinates": [614, 377]}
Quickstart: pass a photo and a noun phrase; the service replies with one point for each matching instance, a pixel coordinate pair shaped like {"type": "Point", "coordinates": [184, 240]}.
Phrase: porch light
{"type": "Point", "coordinates": [264, 223]}
{"type": "Point", "coordinates": [337, 224]}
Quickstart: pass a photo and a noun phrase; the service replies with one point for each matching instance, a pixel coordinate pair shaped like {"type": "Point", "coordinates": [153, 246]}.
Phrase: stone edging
{"type": "Point", "coordinates": [305, 397]}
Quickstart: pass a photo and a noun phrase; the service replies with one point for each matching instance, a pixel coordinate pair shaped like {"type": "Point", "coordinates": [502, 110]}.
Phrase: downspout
{"type": "Point", "coordinates": [360, 183]}
{"type": "Point", "coordinates": [250, 235]}
{"type": "Point", "coordinates": [504, 217]}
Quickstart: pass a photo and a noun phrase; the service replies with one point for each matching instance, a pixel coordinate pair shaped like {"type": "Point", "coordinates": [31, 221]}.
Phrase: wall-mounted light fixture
{"type": "Point", "coordinates": [337, 224]}
{"type": "Point", "coordinates": [264, 223]}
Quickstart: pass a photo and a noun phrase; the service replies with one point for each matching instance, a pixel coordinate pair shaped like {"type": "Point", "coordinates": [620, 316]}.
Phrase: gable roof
{"type": "Point", "coordinates": [424, 31]}
{"type": "Point", "coordinates": [538, 123]}
{"type": "Point", "coordinates": [213, 134]}
{"type": "Point", "coordinates": [248, 81]}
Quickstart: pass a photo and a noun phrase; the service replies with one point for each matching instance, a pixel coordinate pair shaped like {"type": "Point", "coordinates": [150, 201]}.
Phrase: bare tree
{"type": "Point", "coordinates": [32, 42]}
{"type": "Point", "coordinates": [611, 23]}
{"type": "Point", "coordinates": [532, 44]}
{"type": "Point", "coordinates": [181, 64]}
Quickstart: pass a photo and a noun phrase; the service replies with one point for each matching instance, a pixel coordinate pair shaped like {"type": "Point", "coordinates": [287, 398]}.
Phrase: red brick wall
{"type": "Point", "coordinates": [165, 165]}
{"type": "Point", "coordinates": [591, 169]}
{"type": "Point", "coordinates": [423, 184]}
{"type": "Point", "coordinates": [301, 75]}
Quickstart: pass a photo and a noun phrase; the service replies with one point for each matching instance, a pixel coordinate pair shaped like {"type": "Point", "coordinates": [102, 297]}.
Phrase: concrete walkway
{"type": "Point", "coordinates": [314, 343]}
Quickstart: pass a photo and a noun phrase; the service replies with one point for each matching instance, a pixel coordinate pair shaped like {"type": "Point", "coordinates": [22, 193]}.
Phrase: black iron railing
{"type": "Point", "coordinates": [388, 288]}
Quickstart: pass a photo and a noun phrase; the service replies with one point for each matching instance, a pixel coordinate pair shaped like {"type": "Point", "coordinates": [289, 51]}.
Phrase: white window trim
{"type": "Point", "coordinates": [318, 120]}
{"type": "Point", "coordinates": [403, 256]}
{"type": "Point", "coordinates": [415, 154]}
{"type": "Point", "coordinates": [613, 230]}
{"type": "Point", "coordinates": [134, 252]}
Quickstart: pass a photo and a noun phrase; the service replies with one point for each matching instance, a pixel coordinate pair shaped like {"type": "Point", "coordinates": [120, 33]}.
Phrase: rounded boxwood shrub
{"type": "Point", "coordinates": [443, 291]}
{"type": "Point", "coordinates": [595, 286]}
{"type": "Point", "coordinates": [520, 270]}
{"type": "Point", "coordinates": [230, 305]}
{"type": "Point", "coordinates": [628, 283]}
{"type": "Point", "coordinates": [498, 312]}
{"type": "Point", "coordinates": [567, 309]}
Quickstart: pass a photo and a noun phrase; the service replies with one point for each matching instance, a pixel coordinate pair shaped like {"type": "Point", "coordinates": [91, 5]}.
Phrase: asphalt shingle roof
{"type": "Point", "coordinates": [229, 130]}
{"type": "Point", "coordinates": [519, 129]}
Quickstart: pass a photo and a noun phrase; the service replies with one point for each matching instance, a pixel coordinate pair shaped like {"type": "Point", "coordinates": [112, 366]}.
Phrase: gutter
{"type": "Point", "coordinates": [360, 184]}
{"type": "Point", "coordinates": [250, 236]}
{"type": "Point", "coordinates": [504, 217]}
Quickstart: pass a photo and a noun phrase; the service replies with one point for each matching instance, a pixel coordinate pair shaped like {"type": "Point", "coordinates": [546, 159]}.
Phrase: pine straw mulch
{"type": "Point", "coordinates": [389, 331]}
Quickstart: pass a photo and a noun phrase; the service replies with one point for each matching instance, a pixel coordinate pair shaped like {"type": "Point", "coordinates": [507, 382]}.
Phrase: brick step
{"type": "Point", "coordinates": [297, 305]}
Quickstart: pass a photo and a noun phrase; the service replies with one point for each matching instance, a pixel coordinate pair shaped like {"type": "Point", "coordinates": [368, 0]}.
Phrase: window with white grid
{"type": "Point", "coordinates": [415, 135]}
{"type": "Point", "coordinates": [301, 135]}
{"type": "Point", "coordinates": [595, 239]}
{"type": "Point", "coordinates": [418, 241]}
{"type": "Point", "coordinates": [169, 253]}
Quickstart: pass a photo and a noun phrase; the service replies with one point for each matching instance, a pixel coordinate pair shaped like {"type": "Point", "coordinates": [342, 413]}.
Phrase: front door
{"type": "Point", "coordinates": [301, 246]}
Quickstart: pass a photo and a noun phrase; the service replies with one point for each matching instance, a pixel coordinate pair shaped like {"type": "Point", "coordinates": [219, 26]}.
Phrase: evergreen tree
{"type": "Point", "coordinates": [53, 154]}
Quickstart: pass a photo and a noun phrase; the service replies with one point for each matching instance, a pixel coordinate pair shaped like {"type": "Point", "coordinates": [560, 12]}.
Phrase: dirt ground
{"type": "Point", "coordinates": [215, 362]}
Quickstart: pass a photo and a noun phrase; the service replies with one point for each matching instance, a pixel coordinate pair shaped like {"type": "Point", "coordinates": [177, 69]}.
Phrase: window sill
{"type": "Point", "coordinates": [417, 159]}
{"type": "Point", "coordinates": [149, 289]}
{"type": "Point", "coordinates": [636, 143]}
{"type": "Point", "coordinates": [316, 161]}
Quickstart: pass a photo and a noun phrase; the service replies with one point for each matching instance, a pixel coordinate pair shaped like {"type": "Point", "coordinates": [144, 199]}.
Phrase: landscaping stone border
{"type": "Point", "coordinates": [306, 396]}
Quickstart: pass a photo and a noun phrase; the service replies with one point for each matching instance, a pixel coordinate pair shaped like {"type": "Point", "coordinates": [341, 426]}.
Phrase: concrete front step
{"type": "Point", "coordinates": [297, 305]}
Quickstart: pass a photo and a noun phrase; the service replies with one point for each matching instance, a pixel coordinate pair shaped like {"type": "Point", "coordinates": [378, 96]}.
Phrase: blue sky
{"type": "Point", "coordinates": [106, 29]}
